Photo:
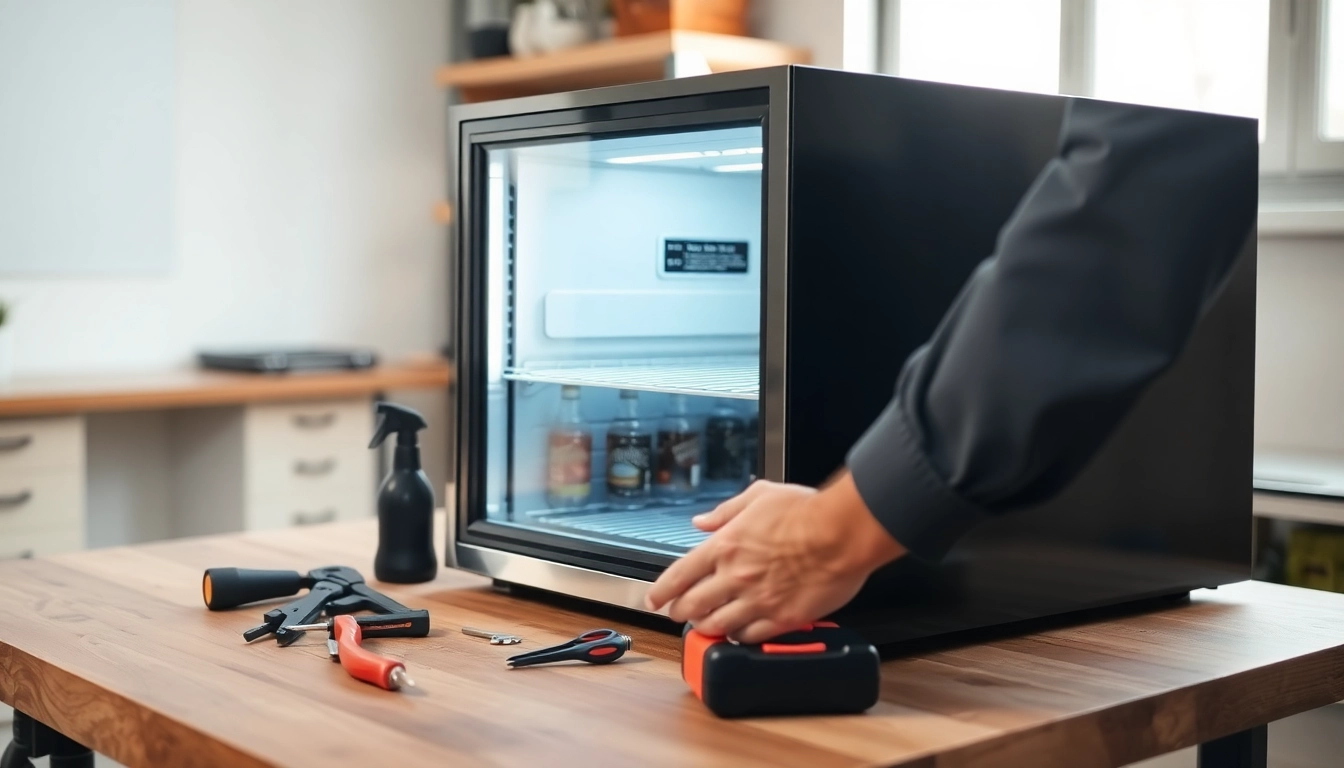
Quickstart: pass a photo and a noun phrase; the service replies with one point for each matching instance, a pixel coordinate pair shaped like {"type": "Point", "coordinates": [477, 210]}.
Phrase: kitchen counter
{"type": "Point", "coordinates": [195, 388]}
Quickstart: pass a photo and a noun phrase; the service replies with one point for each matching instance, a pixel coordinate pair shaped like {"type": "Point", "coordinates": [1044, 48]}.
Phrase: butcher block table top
{"type": "Point", "coordinates": [114, 648]}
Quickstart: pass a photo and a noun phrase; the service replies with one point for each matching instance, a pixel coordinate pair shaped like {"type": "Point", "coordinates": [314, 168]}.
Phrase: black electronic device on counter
{"type": "Point", "coordinates": [284, 360]}
{"type": "Point", "coordinates": [822, 670]}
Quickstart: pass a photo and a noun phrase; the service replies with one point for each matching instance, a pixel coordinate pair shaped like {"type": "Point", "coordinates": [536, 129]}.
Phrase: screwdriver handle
{"type": "Point", "coordinates": [231, 587]}
{"type": "Point", "coordinates": [359, 663]}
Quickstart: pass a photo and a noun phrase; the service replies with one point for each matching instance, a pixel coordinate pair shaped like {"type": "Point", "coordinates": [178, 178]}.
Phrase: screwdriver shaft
{"type": "Point", "coordinates": [399, 679]}
{"type": "Point", "coordinates": [305, 627]}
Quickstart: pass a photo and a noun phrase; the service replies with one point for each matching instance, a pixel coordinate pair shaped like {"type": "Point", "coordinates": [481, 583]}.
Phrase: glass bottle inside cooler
{"type": "Point", "coordinates": [725, 449]}
{"type": "Point", "coordinates": [629, 455]}
{"type": "Point", "coordinates": [677, 478]}
{"type": "Point", "coordinates": [569, 455]}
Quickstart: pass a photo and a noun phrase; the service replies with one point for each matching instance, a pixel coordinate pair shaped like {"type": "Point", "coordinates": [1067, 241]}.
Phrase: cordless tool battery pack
{"type": "Point", "coordinates": [824, 669]}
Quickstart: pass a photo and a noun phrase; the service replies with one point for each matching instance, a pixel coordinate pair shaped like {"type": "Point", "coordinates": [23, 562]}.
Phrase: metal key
{"type": "Point", "coordinates": [495, 638]}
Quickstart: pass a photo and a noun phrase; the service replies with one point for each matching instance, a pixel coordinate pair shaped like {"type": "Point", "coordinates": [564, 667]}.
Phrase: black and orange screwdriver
{"type": "Point", "coordinates": [347, 633]}
{"type": "Point", "coordinates": [597, 646]}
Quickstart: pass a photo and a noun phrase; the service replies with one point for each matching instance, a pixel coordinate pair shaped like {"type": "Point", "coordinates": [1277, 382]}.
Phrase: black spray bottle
{"type": "Point", "coordinates": [405, 503]}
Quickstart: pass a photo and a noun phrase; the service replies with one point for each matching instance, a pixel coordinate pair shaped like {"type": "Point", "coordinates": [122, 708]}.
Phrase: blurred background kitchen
{"type": "Point", "coordinates": [193, 185]}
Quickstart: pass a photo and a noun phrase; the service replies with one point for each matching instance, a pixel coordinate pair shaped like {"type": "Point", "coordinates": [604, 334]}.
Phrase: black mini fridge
{"type": "Point", "coordinates": [664, 290]}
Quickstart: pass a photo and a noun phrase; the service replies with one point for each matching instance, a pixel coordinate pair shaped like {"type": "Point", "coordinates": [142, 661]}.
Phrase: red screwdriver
{"type": "Point", "coordinates": [344, 645]}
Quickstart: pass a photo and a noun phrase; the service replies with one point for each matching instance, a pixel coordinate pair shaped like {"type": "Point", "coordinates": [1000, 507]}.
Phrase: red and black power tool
{"type": "Point", "coordinates": [823, 669]}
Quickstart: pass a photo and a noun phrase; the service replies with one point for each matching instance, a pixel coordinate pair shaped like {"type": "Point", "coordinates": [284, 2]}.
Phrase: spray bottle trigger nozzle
{"type": "Point", "coordinates": [405, 422]}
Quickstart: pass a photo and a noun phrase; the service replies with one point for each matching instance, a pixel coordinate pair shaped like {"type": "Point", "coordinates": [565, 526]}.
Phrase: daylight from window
{"type": "Point", "coordinates": [982, 42]}
{"type": "Point", "coordinates": [1332, 106]}
{"type": "Point", "coordinates": [1209, 55]}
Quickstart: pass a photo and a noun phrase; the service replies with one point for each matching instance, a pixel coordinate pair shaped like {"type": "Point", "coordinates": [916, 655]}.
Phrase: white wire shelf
{"type": "Point", "coordinates": [730, 377]}
{"type": "Point", "coordinates": [656, 526]}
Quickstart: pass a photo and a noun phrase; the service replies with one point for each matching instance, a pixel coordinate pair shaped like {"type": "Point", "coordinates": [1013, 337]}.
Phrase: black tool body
{"type": "Point", "coordinates": [824, 669]}
{"type": "Point", "coordinates": [332, 590]}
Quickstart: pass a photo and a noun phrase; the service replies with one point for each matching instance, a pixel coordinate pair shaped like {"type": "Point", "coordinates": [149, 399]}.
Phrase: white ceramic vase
{"type": "Point", "coordinates": [521, 30]}
{"type": "Point", "coordinates": [553, 30]}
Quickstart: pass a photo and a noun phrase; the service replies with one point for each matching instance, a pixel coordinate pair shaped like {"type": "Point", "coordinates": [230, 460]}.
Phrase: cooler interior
{"type": "Point", "coordinates": [623, 275]}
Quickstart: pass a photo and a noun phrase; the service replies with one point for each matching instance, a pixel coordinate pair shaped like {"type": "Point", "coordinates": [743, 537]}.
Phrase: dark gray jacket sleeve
{"type": "Point", "coordinates": [1097, 282]}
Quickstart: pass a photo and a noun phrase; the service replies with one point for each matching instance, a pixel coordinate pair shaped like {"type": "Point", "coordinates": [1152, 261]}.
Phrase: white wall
{"type": "Point", "coordinates": [1300, 344]}
{"type": "Point", "coordinates": [310, 147]}
{"type": "Point", "coordinates": [86, 85]}
{"type": "Point", "coordinates": [838, 32]}
{"type": "Point", "coordinates": [815, 24]}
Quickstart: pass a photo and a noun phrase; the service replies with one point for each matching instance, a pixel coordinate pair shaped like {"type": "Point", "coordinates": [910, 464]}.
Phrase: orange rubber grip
{"type": "Point", "coordinates": [361, 664]}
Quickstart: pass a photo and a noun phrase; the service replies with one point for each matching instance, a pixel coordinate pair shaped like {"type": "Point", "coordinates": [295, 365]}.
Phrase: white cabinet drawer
{"type": "Point", "coordinates": [309, 509]}
{"type": "Point", "coordinates": [41, 543]}
{"type": "Point", "coordinates": [289, 474]}
{"type": "Point", "coordinates": [47, 443]}
{"type": "Point", "coordinates": [46, 500]}
{"type": "Point", "coordinates": [304, 447]}
{"type": "Point", "coordinates": [310, 426]}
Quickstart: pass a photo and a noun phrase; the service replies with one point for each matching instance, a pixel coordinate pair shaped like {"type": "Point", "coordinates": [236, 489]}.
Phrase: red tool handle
{"type": "Point", "coordinates": [361, 664]}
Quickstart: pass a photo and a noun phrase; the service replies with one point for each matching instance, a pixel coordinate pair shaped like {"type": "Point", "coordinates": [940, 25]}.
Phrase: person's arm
{"type": "Point", "coordinates": [1096, 284]}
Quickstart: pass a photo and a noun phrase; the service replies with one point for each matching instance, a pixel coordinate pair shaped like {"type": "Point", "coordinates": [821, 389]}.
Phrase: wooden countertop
{"type": "Point", "coordinates": [114, 648]}
{"type": "Point", "coordinates": [193, 388]}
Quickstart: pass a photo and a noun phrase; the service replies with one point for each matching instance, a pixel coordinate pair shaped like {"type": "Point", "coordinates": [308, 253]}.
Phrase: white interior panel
{"type": "Point", "coordinates": [650, 314]}
{"type": "Point", "coordinates": [588, 240]}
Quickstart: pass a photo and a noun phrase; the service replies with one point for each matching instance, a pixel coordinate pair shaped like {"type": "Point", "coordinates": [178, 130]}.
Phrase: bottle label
{"type": "Point", "coordinates": [569, 466]}
{"type": "Point", "coordinates": [628, 464]}
{"type": "Point", "coordinates": [679, 459]}
{"type": "Point", "coordinates": [725, 448]}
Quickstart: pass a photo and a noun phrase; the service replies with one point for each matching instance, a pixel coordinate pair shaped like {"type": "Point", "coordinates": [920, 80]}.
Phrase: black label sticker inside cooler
{"type": "Point", "coordinates": [715, 257]}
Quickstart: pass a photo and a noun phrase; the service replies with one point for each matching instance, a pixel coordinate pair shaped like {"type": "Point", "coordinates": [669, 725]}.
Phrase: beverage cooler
{"type": "Point", "coordinates": [665, 290]}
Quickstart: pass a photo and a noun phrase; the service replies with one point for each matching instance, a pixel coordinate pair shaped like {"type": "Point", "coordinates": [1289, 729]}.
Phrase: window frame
{"type": "Point", "coordinates": [1292, 146]}
{"type": "Point", "coordinates": [1313, 154]}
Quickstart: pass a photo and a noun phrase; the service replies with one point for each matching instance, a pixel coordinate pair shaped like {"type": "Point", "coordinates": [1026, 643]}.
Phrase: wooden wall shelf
{"type": "Point", "coordinates": [633, 59]}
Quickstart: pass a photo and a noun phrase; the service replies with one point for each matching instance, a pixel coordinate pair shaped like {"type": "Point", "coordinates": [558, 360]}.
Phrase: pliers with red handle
{"type": "Point", "coordinates": [598, 646]}
{"type": "Point", "coordinates": [344, 645]}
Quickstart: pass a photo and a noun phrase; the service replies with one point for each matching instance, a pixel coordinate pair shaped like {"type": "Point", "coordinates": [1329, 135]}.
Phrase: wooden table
{"type": "Point", "coordinates": [114, 648]}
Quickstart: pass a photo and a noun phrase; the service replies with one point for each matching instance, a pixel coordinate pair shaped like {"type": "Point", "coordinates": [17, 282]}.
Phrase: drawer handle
{"type": "Point", "coordinates": [314, 468]}
{"type": "Point", "coordinates": [15, 442]}
{"type": "Point", "coordinates": [314, 420]}
{"type": "Point", "coordinates": [15, 499]}
{"type": "Point", "coordinates": [23, 554]}
{"type": "Point", "coordinates": [313, 518]}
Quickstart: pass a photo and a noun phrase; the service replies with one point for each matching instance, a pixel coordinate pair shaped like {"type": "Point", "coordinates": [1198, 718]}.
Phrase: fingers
{"type": "Point", "coordinates": [716, 518]}
{"type": "Point", "coordinates": [728, 619]}
{"type": "Point", "coordinates": [700, 600]}
{"type": "Point", "coordinates": [761, 630]}
{"type": "Point", "coordinates": [681, 576]}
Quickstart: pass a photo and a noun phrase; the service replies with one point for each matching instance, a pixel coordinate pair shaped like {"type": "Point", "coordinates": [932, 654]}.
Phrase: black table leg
{"type": "Point", "coordinates": [35, 739]}
{"type": "Point", "coordinates": [1247, 749]}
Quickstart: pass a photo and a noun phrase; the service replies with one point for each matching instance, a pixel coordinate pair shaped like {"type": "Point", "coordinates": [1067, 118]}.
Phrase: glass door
{"type": "Point", "coordinates": [622, 292]}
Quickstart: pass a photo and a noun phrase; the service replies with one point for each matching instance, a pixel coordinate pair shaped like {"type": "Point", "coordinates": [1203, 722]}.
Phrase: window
{"type": "Point", "coordinates": [1279, 61]}
{"type": "Point", "coordinates": [1332, 95]}
{"type": "Point", "coordinates": [1210, 55]}
{"type": "Point", "coordinates": [1020, 39]}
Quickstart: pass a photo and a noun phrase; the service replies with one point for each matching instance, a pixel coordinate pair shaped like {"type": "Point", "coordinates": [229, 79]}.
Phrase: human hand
{"type": "Point", "coordinates": [780, 557]}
